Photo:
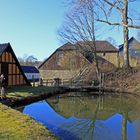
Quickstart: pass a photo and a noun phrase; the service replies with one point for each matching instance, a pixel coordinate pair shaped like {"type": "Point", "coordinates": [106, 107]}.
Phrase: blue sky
{"type": "Point", "coordinates": [31, 26]}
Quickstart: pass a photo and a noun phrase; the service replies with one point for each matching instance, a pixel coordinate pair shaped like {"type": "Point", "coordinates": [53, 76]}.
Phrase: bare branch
{"type": "Point", "coordinates": [109, 23]}
{"type": "Point", "coordinates": [113, 5]}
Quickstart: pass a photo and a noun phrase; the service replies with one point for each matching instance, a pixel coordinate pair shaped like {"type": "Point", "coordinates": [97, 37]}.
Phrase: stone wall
{"type": "Point", "coordinates": [65, 60]}
{"type": "Point", "coordinates": [62, 74]}
{"type": "Point", "coordinates": [134, 62]}
{"type": "Point", "coordinates": [112, 57]}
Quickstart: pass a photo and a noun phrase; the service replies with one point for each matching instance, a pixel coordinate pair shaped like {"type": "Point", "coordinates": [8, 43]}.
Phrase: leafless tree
{"type": "Point", "coordinates": [79, 27]}
{"type": "Point", "coordinates": [122, 11]}
{"type": "Point", "coordinates": [121, 7]}
{"type": "Point", "coordinates": [28, 60]}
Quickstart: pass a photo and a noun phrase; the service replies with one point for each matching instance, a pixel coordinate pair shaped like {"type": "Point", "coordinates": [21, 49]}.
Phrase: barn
{"type": "Point", "coordinates": [71, 60]}
{"type": "Point", "coordinates": [10, 67]}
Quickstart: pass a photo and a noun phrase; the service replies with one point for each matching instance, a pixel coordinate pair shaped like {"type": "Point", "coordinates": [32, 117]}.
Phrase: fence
{"type": "Point", "coordinates": [60, 82]}
{"type": "Point", "coordinates": [68, 82]}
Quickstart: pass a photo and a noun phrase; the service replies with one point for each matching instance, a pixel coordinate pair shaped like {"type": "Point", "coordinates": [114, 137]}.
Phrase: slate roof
{"type": "Point", "coordinates": [3, 47]}
{"type": "Point", "coordinates": [134, 49]}
{"type": "Point", "coordinates": [129, 41]}
{"type": "Point", "coordinates": [29, 69]}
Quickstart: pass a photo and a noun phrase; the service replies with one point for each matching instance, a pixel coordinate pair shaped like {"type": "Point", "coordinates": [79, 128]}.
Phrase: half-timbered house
{"type": "Point", "coordinates": [10, 67]}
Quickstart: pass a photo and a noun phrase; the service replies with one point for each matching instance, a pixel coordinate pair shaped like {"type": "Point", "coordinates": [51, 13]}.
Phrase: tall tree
{"type": "Point", "coordinates": [80, 27]}
{"type": "Point", "coordinates": [122, 7]}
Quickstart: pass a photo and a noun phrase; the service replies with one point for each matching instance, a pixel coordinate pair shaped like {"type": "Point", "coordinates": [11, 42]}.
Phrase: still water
{"type": "Point", "coordinates": [80, 117]}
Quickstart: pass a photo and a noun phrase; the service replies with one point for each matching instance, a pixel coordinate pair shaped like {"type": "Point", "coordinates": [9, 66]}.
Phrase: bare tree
{"type": "Point", "coordinates": [106, 8]}
{"type": "Point", "coordinates": [79, 28]}
{"type": "Point", "coordinates": [28, 60]}
{"type": "Point", "coordinates": [121, 6]}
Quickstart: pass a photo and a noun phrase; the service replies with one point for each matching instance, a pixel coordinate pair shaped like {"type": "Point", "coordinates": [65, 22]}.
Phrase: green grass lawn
{"type": "Point", "coordinates": [25, 91]}
{"type": "Point", "coordinates": [17, 126]}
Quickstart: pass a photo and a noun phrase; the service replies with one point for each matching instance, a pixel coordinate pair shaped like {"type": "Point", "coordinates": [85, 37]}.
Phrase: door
{"type": "Point", "coordinates": [4, 70]}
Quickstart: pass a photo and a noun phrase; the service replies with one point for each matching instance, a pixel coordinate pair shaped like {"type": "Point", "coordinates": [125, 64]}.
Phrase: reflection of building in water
{"type": "Point", "coordinates": [84, 120]}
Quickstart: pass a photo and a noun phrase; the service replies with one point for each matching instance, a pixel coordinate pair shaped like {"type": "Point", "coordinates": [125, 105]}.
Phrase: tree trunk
{"type": "Point", "coordinates": [124, 125]}
{"type": "Point", "coordinates": [94, 44]}
{"type": "Point", "coordinates": [125, 34]}
{"type": "Point", "coordinates": [96, 65]}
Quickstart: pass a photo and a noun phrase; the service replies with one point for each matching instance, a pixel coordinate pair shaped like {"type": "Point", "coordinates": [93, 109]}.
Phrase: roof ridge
{"type": "Point", "coordinates": [4, 43]}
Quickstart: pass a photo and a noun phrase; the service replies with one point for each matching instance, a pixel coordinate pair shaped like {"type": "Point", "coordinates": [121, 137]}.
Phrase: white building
{"type": "Point", "coordinates": [31, 72]}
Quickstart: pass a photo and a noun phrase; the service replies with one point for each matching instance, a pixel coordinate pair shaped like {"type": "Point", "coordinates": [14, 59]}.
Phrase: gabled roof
{"type": "Point", "coordinates": [101, 46]}
{"type": "Point", "coordinates": [3, 47]}
{"type": "Point", "coordinates": [67, 46]}
{"type": "Point", "coordinates": [29, 69]}
{"type": "Point", "coordinates": [129, 41]}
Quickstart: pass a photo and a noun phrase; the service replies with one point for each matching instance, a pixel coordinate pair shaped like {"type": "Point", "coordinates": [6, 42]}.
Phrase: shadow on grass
{"type": "Point", "coordinates": [23, 91]}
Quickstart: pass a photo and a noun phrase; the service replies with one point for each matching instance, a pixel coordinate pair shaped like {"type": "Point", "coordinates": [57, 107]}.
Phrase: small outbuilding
{"type": "Point", "coordinates": [10, 67]}
{"type": "Point", "coordinates": [31, 72]}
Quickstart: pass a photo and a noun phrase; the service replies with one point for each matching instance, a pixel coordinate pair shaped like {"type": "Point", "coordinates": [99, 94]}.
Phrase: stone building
{"type": "Point", "coordinates": [64, 63]}
{"type": "Point", "coordinates": [71, 59]}
{"type": "Point", "coordinates": [104, 49]}
{"type": "Point", "coordinates": [134, 52]}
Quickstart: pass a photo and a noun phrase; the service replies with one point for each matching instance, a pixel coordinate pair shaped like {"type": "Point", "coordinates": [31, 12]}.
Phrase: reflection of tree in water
{"type": "Point", "coordinates": [83, 128]}
{"type": "Point", "coordinates": [98, 109]}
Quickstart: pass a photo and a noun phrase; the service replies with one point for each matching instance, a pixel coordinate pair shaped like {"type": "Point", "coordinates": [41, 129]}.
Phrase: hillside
{"type": "Point", "coordinates": [128, 80]}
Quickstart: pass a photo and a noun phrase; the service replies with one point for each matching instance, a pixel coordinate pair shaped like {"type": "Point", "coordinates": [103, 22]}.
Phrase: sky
{"type": "Point", "coordinates": [31, 26]}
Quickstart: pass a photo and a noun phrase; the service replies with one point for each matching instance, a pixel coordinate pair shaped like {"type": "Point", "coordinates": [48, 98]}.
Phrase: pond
{"type": "Point", "coordinates": [75, 116]}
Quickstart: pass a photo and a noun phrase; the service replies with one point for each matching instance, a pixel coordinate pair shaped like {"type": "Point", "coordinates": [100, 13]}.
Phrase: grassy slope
{"type": "Point", "coordinates": [14, 126]}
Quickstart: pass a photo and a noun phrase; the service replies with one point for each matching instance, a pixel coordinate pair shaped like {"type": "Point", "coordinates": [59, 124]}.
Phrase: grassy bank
{"type": "Point", "coordinates": [17, 126]}
{"type": "Point", "coordinates": [25, 91]}
{"type": "Point", "coordinates": [18, 96]}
